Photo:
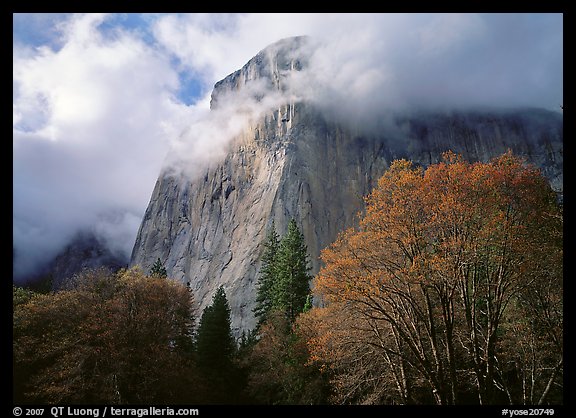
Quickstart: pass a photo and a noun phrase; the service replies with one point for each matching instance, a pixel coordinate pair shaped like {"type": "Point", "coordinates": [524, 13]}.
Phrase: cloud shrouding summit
{"type": "Point", "coordinates": [411, 59]}
{"type": "Point", "coordinates": [100, 99]}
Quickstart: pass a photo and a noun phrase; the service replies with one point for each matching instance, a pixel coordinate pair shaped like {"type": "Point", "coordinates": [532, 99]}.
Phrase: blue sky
{"type": "Point", "coordinates": [44, 30]}
{"type": "Point", "coordinates": [100, 99]}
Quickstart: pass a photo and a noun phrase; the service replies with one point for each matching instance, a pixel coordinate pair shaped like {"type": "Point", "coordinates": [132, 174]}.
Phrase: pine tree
{"type": "Point", "coordinates": [267, 276]}
{"type": "Point", "coordinates": [276, 362]}
{"type": "Point", "coordinates": [158, 269]}
{"type": "Point", "coordinates": [215, 344]}
{"type": "Point", "coordinates": [290, 288]}
{"type": "Point", "coordinates": [216, 353]}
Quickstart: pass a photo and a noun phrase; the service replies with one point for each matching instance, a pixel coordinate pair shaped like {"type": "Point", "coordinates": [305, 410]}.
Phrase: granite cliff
{"type": "Point", "coordinates": [295, 161]}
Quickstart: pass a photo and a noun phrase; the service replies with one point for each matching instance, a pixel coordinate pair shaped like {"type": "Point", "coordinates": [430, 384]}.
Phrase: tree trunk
{"type": "Point", "coordinates": [550, 381]}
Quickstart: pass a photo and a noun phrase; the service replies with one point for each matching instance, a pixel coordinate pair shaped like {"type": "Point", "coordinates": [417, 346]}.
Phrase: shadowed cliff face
{"type": "Point", "coordinates": [86, 251]}
{"type": "Point", "coordinates": [294, 162]}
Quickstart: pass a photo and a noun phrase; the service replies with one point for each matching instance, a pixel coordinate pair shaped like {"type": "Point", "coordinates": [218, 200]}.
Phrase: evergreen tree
{"type": "Point", "coordinates": [276, 363]}
{"type": "Point", "coordinates": [283, 281]}
{"type": "Point", "coordinates": [215, 344]}
{"type": "Point", "coordinates": [290, 288]}
{"type": "Point", "coordinates": [216, 354]}
{"type": "Point", "coordinates": [158, 269]}
{"type": "Point", "coordinates": [267, 276]}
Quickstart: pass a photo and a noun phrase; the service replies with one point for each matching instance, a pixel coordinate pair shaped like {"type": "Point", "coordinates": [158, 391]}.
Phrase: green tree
{"type": "Point", "coordinates": [290, 288]}
{"type": "Point", "coordinates": [158, 269]}
{"type": "Point", "coordinates": [216, 349]}
{"type": "Point", "coordinates": [283, 281]}
{"type": "Point", "coordinates": [215, 344]}
{"type": "Point", "coordinates": [264, 297]}
{"type": "Point", "coordinates": [276, 363]}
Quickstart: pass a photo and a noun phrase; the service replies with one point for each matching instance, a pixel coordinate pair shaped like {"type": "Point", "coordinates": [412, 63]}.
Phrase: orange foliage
{"type": "Point", "coordinates": [114, 338]}
{"type": "Point", "coordinates": [436, 260]}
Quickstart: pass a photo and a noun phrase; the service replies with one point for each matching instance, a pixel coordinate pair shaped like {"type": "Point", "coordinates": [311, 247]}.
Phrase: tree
{"type": "Point", "coordinates": [283, 283]}
{"type": "Point", "coordinates": [216, 352]}
{"type": "Point", "coordinates": [111, 338]}
{"type": "Point", "coordinates": [267, 275]}
{"type": "Point", "coordinates": [279, 371]}
{"type": "Point", "coordinates": [158, 269]}
{"type": "Point", "coordinates": [276, 362]}
{"type": "Point", "coordinates": [427, 285]}
{"type": "Point", "coordinates": [215, 343]}
{"type": "Point", "coordinates": [290, 288]}
{"type": "Point", "coordinates": [21, 295]}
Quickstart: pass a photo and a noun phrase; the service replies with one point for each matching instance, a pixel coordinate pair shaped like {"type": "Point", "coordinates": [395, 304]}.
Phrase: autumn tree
{"type": "Point", "coordinates": [111, 338]}
{"type": "Point", "coordinates": [279, 368]}
{"type": "Point", "coordinates": [20, 295]}
{"type": "Point", "coordinates": [433, 273]}
{"type": "Point", "coordinates": [361, 361]}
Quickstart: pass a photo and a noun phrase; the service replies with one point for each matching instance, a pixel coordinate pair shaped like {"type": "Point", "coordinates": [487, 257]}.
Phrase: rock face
{"type": "Point", "coordinates": [85, 251]}
{"type": "Point", "coordinates": [296, 163]}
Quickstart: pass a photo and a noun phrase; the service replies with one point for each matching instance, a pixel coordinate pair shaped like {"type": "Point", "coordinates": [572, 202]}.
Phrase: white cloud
{"type": "Point", "coordinates": [209, 132]}
{"type": "Point", "coordinates": [215, 45]}
{"type": "Point", "coordinates": [370, 62]}
{"type": "Point", "coordinates": [92, 123]}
